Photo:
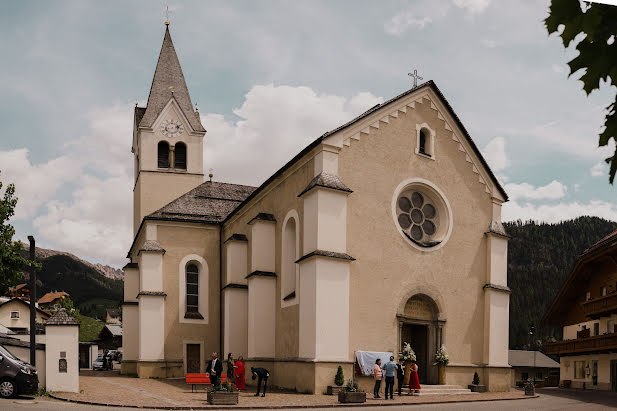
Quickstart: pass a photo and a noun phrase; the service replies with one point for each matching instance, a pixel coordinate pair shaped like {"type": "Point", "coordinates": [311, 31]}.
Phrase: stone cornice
{"type": "Point", "coordinates": [263, 217]}
{"type": "Point", "coordinates": [502, 288]}
{"type": "Point", "coordinates": [236, 286]}
{"type": "Point", "coordinates": [237, 237]}
{"type": "Point", "coordinates": [329, 254]}
{"type": "Point", "coordinates": [261, 274]}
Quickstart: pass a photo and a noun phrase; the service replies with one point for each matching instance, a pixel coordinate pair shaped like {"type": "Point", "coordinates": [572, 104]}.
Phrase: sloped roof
{"type": "Point", "coordinates": [168, 74]}
{"type": "Point", "coordinates": [26, 303]}
{"type": "Point", "coordinates": [18, 287]}
{"type": "Point", "coordinates": [61, 317]}
{"type": "Point", "coordinates": [5, 331]}
{"type": "Point", "coordinates": [114, 329]}
{"type": "Point", "coordinates": [604, 241]}
{"type": "Point", "coordinates": [50, 297]}
{"type": "Point", "coordinates": [524, 358]}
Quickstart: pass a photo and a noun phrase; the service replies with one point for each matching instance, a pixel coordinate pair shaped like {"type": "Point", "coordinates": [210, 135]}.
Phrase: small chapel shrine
{"type": "Point", "coordinates": [383, 231]}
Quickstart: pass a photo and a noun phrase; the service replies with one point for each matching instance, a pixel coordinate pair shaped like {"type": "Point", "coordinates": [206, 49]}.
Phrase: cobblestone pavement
{"type": "Point", "coordinates": [109, 387]}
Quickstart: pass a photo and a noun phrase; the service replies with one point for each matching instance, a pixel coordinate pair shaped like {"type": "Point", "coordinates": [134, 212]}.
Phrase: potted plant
{"type": "Point", "coordinates": [530, 388]}
{"type": "Point", "coordinates": [339, 380]}
{"type": "Point", "coordinates": [475, 384]}
{"type": "Point", "coordinates": [441, 360]}
{"type": "Point", "coordinates": [222, 394]}
{"type": "Point", "coordinates": [351, 393]}
{"type": "Point", "coordinates": [408, 356]}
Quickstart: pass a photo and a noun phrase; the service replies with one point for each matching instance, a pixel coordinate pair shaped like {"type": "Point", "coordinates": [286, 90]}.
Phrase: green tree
{"type": "Point", "coordinates": [339, 379]}
{"type": "Point", "coordinates": [597, 49]}
{"type": "Point", "coordinates": [11, 261]}
{"type": "Point", "coordinates": [67, 304]}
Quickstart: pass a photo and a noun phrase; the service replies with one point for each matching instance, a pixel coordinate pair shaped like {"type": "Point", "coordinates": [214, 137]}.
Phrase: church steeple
{"type": "Point", "coordinates": [168, 82]}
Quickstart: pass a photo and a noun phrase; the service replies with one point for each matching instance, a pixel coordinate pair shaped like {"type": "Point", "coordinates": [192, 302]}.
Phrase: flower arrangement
{"type": "Point", "coordinates": [222, 387]}
{"type": "Point", "coordinates": [530, 383]}
{"type": "Point", "coordinates": [441, 357]}
{"type": "Point", "coordinates": [408, 353]}
{"type": "Point", "coordinates": [352, 386]}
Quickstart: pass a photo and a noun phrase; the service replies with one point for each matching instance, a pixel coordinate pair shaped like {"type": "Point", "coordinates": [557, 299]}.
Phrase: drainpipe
{"type": "Point", "coordinates": [221, 291]}
{"type": "Point", "coordinates": [32, 304]}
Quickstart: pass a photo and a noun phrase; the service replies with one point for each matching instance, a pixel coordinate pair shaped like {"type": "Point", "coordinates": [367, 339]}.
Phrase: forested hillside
{"type": "Point", "coordinates": [540, 257]}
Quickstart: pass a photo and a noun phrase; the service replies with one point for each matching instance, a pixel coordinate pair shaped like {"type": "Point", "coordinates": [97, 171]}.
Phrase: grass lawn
{"type": "Point", "coordinates": [89, 328]}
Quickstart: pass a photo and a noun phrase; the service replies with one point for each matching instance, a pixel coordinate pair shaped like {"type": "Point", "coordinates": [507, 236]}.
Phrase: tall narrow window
{"type": "Point", "coordinates": [192, 290]}
{"type": "Point", "coordinates": [180, 161]}
{"type": "Point", "coordinates": [290, 256]}
{"type": "Point", "coordinates": [423, 141]}
{"type": "Point", "coordinates": [163, 154]}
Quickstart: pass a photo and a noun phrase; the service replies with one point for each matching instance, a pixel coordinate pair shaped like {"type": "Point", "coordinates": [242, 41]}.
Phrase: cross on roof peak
{"type": "Point", "coordinates": [415, 77]}
{"type": "Point", "coordinates": [167, 15]}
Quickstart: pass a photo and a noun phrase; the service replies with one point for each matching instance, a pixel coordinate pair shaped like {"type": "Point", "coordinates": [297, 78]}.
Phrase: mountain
{"type": "Point", "coordinates": [107, 271]}
{"type": "Point", "coordinates": [540, 257]}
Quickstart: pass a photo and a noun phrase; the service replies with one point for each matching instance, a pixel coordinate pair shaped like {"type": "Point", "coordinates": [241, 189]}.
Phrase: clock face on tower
{"type": "Point", "coordinates": [172, 128]}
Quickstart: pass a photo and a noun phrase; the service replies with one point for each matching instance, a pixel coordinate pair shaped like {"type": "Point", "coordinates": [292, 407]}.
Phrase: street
{"type": "Point", "coordinates": [550, 399]}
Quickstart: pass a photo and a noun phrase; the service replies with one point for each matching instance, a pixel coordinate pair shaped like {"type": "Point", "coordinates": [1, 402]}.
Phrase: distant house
{"type": "Point", "coordinates": [51, 299]}
{"type": "Point", "coordinates": [532, 364]}
{"type": "Point", "coordinates": [112, 316]}
{"type": "Point", "coordinates": [15, 315]}
{"type": "Point", "coordinates": [110, 337]}
{"type": "Point", "coordinates": [21, 291]}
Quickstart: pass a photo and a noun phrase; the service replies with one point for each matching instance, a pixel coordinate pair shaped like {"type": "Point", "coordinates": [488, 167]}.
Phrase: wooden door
{"type": "Point", "coordinates": [193, 359]}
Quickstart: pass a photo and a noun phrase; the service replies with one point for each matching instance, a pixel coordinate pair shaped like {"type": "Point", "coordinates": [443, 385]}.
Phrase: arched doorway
{"type": "Point", "coordinates": [420, 325]}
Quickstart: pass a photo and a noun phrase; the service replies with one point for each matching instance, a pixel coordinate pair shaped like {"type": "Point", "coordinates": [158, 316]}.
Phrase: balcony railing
{"type": "Point", "coordinates": [601, 306]}
{"type": "Point", "coordinates": [599, 343]}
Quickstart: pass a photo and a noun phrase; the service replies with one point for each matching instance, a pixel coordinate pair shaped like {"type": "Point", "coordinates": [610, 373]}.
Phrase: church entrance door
{"type": "Point", "coordinates": [417, 336]}
{"type": "Point", "coordinates": [192, 358]}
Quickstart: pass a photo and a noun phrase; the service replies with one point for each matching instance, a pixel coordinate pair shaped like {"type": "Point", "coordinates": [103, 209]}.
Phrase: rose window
{"type": "Point", "coordinates": [418, 218]}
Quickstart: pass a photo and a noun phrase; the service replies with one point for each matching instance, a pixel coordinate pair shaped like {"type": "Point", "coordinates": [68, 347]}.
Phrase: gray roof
{"type": "Point", "coordinates": [523, 358]}
{"type": "Point", "coordinates": [6, 331]}
{"type": "Point", "coordinates": [61, 317]}
{"type": "Point", "coordinates": [168, 74]}
{"type": "Point", "coordinates": [326, 180]}
{"type": "Point", "coordinates": [152, 245]}
{"type": "Point", "coordinates": [114, 329]}
{"type": "Point", "coordinates": [209, 202]}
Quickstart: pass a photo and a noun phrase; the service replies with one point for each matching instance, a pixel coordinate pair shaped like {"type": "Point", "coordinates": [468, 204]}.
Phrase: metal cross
{"type": "Point", "coordinates": [415, 77]}
{"type": "Point", "coordinates": [167, 15]}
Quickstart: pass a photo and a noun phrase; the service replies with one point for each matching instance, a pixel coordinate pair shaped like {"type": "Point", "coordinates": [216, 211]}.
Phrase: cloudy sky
{"type": "Point", "coordinates": [269, 77]}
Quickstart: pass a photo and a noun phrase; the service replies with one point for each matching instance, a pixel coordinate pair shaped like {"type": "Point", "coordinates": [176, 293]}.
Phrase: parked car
{"type": "Point", "coordinates": [98, 364]}
{"type": "Point", "coordinates": [16, 376]}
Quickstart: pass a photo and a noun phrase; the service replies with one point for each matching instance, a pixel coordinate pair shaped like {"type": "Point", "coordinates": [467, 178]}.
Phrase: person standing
{"type": "Point", "coordinates": [390, 369]}
{"type": "Point", "coordinates": [214, 369]}
{"type": "Point", "coordinates": [378, 375]}
{"type": "Point", "coordinates": [263, 375]}
{"type": "Point", "coordinates": [230, 369]}
{"type": "Point", "coordinates": [400, 375]}
{"type": "Point", "coordinates": [239, 373]}
{"type": "Point", "coordinates": [414, 381]}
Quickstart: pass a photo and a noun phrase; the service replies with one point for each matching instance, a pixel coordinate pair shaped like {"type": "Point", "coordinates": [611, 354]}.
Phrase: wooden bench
{"type": "Point", "coordinates": [201, 379]}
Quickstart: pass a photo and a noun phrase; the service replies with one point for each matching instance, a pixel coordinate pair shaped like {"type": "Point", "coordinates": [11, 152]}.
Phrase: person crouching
{"type": "Point", "coordinates": [263, 375]}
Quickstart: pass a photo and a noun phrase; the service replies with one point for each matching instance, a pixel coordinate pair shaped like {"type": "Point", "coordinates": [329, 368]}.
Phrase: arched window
{"type": "Point", "coordinates": [163, 154]}
{"type": "Point", "coordinates": [180, 152]}
{"type": "Point", "coordinates": [422, 145]}
{"type": "Point", "coordinates": [289, 258]}
{"type": "Point", "coordinates": [192, 291]}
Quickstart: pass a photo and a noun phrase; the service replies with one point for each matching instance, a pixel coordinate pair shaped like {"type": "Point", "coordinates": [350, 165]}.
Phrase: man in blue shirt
{"type": "Point", "coordinates": [390, 370]}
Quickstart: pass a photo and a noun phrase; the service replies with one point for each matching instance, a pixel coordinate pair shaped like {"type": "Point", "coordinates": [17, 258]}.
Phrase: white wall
{"type": "Point", "coordinates": [263, 236]}
{"type": "Point", "coordinates": [498, 260]}
{"type": "Point", "coordinates": [325, 221]}
{"type": "Point", "coordinates": [261, 316]}
{"type": "Point", "coordinates": [235, 339]}
{"type": "Point", "coordinates": [151, 271]}
{"type": "Point", "coordinates": [236, 261]}
{"type": "Point", "coordinates": [496, 327]}
{"type": "Point", "coordinates": [131, 284]}
{"type": "Point", "coordinates": [151, 330]}
{"type": "Point", "coordinates": [62, 339]}
{"type": "Point", "coordinates": [130, 332]}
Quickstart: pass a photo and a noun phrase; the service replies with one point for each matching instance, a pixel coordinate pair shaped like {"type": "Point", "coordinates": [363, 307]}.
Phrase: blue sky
{"type": "Point", "coordinates": [270, 76]}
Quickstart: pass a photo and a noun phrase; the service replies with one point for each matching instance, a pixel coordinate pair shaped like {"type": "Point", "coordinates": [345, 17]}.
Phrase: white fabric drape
{"type": "Point", "coordinates": [366, 360]}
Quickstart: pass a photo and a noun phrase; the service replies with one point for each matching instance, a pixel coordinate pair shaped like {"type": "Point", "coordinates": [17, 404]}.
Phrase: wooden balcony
{"type": "Point", "coordinates": [599, 343]}
{"type": "Point", "coordinates": [600, 306]}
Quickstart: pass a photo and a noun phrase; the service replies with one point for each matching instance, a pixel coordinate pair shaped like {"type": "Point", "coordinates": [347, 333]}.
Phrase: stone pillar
{"type": "Point", "coordinates": [496, 304]}
{"type": "Point", "coordinates": [130, 320]}
{"type": "Point", "coordinates": [62, 352]}
{"type": "Point", "coordinates": [324, 266]}
{"type": "Point", "coordinates": [235, 297]}
{"type": "Point", "coordinates": [262, 288]}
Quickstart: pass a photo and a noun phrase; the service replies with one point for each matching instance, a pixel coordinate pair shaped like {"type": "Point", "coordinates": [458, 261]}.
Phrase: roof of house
{"type": "Point", "coordinates": [114, 329]}
{"type": "Point", "coordinates": [51, 297]}
{"type": "Point", "coordinates": [26, 303]}
{"type": "Point", "coordinates": [570, 289]}
{"type": "Point", "coordinates": [18, 287]}
{"type": "Point", "coordinates": [6, 331]}
{"type": "Point", "coordinates": [525, 358]}
{"type": "Point", "coordinates": [112, 312]}
{"type": "Point", "coordinates": [168, 83]}
{"type": "Point", "coordinates": [61, 317]}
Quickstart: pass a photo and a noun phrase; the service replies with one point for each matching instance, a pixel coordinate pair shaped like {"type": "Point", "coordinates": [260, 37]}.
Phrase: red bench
{"type": "Point", "coordinates": [201, 379]}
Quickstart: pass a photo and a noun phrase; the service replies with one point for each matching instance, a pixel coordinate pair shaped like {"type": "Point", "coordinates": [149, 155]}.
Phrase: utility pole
{"type": "Point", "coordinates": [32, 304]}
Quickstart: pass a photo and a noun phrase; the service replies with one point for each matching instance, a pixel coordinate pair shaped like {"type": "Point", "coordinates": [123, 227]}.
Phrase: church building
{"type": "Point", "coordinates": [382, 231]}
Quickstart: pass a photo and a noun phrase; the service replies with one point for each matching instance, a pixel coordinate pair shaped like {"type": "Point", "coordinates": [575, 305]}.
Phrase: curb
{"type": "Point", "coordinates": [279, 407]}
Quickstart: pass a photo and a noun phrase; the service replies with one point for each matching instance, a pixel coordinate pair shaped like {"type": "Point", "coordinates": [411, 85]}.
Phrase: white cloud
{"type": "Point", "coordinates": [473, 6]}
{"type": "Point", "coordinates": [599, 169]}
{"type": "Point", "coordinates": [553, 213]}
{"type": "Point", "coordinates": [495, 154]}
{"type": "Point", "coordinates": [416, 17]}
{"type": "Point", "coordinates": [552, 191]}
{"type": "Point", "coordinates": [276, 123]}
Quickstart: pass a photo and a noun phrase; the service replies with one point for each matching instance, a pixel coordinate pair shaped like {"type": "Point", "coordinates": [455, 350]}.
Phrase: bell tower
{"type": "Point", "coordinates": [167, 139]}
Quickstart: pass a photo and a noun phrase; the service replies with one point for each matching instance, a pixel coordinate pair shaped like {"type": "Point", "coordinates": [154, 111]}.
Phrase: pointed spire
{"type": "Point", "coordinates": [167, 77]}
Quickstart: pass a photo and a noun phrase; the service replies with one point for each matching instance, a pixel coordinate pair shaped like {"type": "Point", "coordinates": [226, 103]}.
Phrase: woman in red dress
{"type": "Point", "coordinates": [414, 381]}
{"type": "Point", "coordinates": [240, 373]}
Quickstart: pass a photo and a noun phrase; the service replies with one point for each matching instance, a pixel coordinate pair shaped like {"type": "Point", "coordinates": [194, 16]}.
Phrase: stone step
{"type": "Point", "coordinates": [441, 390]}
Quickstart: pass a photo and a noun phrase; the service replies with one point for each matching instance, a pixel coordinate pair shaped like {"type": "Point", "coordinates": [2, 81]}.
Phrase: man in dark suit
{"type": "Point", "coordinates": [215, 369]}
{"type": "Point", "coordinates": [400, 375]}
{"type": "Point", "coordinates": [263, 375]}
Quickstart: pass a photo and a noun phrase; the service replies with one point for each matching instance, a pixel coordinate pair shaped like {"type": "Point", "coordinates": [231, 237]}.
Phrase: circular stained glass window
{"type": "Point", "coordinates": [418, 217]}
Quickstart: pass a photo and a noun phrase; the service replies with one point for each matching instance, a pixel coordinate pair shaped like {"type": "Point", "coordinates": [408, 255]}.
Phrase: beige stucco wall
{"type": "Point", "coordinates": [235, 316]}
{"type": "Point", "coordinates": [62, 339]}
{"type": "Point", "coordinates": [24, 315]}
{"type": "Point", "coordinates": [604, 371]}
{"type": "Point", "coordinates": [130, 332]}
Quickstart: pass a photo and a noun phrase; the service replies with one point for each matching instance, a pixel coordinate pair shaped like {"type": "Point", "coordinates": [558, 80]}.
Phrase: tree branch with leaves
{"type": "Point", "coordinates": [597, 53]}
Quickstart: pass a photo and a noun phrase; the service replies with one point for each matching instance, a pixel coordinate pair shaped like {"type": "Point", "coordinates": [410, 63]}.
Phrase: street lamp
{"type": "Point", "coordinates": [532, 329]}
